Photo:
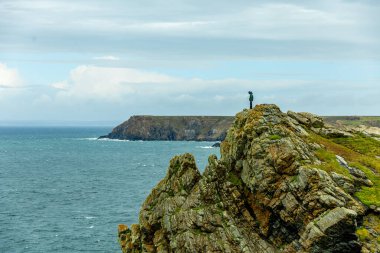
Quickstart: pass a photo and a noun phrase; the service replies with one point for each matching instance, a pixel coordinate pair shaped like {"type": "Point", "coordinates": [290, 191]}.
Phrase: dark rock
{"type": "Point", "coordinates": [172, 128]}
{"type": "Point", "coordinates": [216, 145]}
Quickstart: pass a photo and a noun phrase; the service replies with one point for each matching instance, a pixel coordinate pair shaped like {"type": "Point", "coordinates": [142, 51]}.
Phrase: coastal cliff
{"type": "Point", "coordinates": [180, 128]}
{"type": "Point", "coordinates": [214, 128]}
{"type": "Point", "coordinates": [285, 182]}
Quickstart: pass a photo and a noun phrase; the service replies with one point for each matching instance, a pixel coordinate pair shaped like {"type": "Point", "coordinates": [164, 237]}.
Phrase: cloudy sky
{"type": "Point", "coordinates": [92, 60]}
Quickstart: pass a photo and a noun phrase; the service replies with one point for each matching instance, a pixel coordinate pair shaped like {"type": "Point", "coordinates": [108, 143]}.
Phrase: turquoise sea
{"type": "Point", "coordinates": [62, 190]}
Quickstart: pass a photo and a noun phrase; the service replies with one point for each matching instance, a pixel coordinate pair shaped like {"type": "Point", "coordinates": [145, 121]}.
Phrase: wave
{"type": "Point", "coordinates": [107, 139]}
{"type": "Point", "coordinates": [205, 147]}
{"type": "Point", "coordinates": [89, 139]}
{"type": "Point", "coordinates": [103, 139]}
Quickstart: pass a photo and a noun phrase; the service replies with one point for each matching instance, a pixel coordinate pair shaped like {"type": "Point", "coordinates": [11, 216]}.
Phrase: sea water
{"type": "Point", "coordinates": [62, 190]}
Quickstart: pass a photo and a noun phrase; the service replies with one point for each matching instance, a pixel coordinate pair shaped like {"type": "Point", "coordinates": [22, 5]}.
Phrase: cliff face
{"type": "Point", "coordinates": [278, 187]}
{"type": "Point", "coordinates": [198, 128]}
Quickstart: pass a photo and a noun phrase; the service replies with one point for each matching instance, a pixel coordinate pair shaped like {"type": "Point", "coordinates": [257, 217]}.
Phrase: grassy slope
{"type": "Point", "coordinates": [361, 144]}
{"type": "Point", "coordinates": [361, 153]}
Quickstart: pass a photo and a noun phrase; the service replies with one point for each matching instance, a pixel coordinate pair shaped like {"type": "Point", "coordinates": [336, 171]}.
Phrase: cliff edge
{"type": "Point", "coordinates": [284, 183]}
{"type": "Point", "coordinates": [181, 128]}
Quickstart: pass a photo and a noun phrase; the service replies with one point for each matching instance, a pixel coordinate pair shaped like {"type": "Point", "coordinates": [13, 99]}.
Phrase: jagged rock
{"type": "Point", "coordinates": [343, 182]}
{"type": "Point", "coordinates": [216, 145]}
{"type": "Point", "coordinates": [359, 176]}
{"type": "Point", "coordinates": [332, 232]}
{"type": "Point", "coordinates": [316, 124]}
{"type": "Point", "coordinates": [333, 132]}
{"type": "Point", "coordinates": [307, 119]}
{"type": "Point", "coordinates": [264, 194]}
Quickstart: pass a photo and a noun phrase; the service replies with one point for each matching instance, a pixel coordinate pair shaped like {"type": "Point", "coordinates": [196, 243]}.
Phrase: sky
{"type": "Point", "coordinates": [91, 61]}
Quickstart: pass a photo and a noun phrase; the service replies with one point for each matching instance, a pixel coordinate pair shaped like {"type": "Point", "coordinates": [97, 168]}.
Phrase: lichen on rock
{"type": "Point", "coordinates": [267, 193]}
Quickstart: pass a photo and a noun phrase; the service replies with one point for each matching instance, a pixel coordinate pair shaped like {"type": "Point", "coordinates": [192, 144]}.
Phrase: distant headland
{"type": "Point", "coordinates": [172, 128]}
{"type": "Point", "coordinates": [209, 128]}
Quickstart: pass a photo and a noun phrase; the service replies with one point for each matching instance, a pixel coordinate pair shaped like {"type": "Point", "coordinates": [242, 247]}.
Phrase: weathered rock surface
{"type": "Point", "coordinates": [265, 194]}
{"type": "Point", "coordinates": [188, 128]}
{"type": "Point", "coordinates": [358, 176]}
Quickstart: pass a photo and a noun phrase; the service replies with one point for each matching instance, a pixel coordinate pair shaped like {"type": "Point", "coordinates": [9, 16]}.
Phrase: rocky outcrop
{"type": "Point", "coordinates": [267, 193]}
{"type": "Point", "coordinates": [195, 128]}
{"type": "Point", "coordinates": [367, 125]}
{"type": "Point", "coordinates": [317, 125]}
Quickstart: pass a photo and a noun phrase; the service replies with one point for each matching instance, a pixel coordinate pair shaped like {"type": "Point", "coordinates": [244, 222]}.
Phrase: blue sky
{"type": "Point", "coordinates": [86, 61]}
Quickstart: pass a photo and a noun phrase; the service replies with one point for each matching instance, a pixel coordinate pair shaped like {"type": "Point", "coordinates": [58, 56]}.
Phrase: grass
{"type": "Point", "coordinates": [363, 234]}
{"type": "Point", "coordinates": [274, 137]}
{"type": "Point", "coordinates": [235, 180]}
{"type": "Point", "coordinates": [370, 230]}
{"type": "Point", "coordinates": [368, 164]}
{"type": "Point", "coordinates": [360, 143]}
{"type": "Point", "coordinates": [330, 163]}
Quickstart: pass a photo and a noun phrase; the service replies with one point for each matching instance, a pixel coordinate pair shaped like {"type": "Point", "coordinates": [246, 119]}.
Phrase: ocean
{"type": "Point", "coordinates": [62, 190]}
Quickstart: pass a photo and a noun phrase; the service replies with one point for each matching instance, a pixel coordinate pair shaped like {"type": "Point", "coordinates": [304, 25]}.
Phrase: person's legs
{"type": "Point", "coordinates": [250, 104]}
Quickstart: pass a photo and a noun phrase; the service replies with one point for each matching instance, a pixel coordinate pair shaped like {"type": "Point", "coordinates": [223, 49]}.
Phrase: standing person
{"type": "Point", "coordinates": [250, 99]}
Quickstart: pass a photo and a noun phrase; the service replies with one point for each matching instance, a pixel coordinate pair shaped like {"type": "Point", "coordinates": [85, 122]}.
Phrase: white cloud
{"type": "Point", "coordinates": [60, 85]}
{"type": "Point", "coordinates": [93, 92]}
{"type": "Point", "coordinates": [107, 58]}
{"type": "Point", "coordinates": [9, 78]}
{"type": "Point", "coordinates": [127, 85]}
{"type": "Point", "coordinates": [110, 84]}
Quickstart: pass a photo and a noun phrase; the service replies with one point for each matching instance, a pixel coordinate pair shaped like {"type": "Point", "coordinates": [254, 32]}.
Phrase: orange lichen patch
{"type": "Point", "coordinates": [124, 236]}
{"type": "Point", "coordinates": [262, 214]}
{"type": "Point", "coordinates": [148, 248]}
{"type": "Point", "coordinates": [122, 228]}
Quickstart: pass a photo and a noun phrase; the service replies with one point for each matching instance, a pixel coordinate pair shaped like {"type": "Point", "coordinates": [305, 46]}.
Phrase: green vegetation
{"type": "Point", "coordinates": [370, 230]}
{"type": "Point", "coordinates": [330, 164]}
{"type": "Point", "coordinates": [368, 164]}
{"type": "Point", "coordinates": [368, 195]}
{"type": "Point", "coordinates": [363, 234]}
{"type": "Point", "coordinates": [274, 137]}
{"type": "Point", "coordinates": [361, 143]}
{"type": "Point", "coordinates": [235, 180]}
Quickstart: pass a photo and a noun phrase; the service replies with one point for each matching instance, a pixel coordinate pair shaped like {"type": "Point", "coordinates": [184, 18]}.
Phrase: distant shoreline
{"type": "Point", "coordinates": [202, 128]}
